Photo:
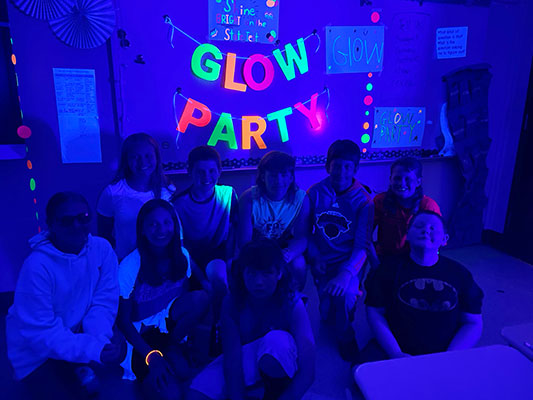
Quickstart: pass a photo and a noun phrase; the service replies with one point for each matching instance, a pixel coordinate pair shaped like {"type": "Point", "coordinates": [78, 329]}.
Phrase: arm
{"type": "Point", "coordinates": [338, 285]}
{"type": "Point", "coordinates": [39, 325]}
{"type": "Point", "coordinates": [469, 332]}
{"type": "Point", "coordinates": [380, 327]}
{"type": "Point", "coordinates": [245, 218]}
{"type": "Point", "coordinates": [101, 315]}
{"type": "Point", "coordinates": [362, 239]}
{"type": "Point", "coordinates": [232, 350]}
{"type": "Point", "coordinates": [233, 229]}
{"type": "Point", "coordinates": [200, 275]}
{"type": "Point", "coordinates": [126, 326]}
{"type": "Point", "coordinates": [305, 344]}
{"type": "Point", "coordinates": [160, 370]}
{"type": "Point", "coordinates": [298, 243]}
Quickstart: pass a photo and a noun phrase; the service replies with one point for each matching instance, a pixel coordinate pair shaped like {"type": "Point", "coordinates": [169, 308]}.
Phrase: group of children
{"type": "Point", "coordinates": [206, 302]}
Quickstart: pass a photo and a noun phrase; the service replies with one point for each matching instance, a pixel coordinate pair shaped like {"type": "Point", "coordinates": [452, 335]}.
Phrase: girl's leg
{"type": "Point", "coordinates": [187, 312]}
{"type": "Point", "coordinates": [187, 318]}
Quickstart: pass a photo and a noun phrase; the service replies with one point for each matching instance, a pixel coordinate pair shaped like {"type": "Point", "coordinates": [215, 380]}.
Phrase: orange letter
{"type": "Point", "coordinates": [229, 74]}
{"type": "Point", "coordinates": [247, 132]}
{"type": "Point", "coordinates": [187, 115]}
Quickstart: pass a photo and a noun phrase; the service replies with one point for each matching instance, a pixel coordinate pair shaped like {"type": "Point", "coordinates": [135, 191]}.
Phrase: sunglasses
{"type": "Point", "coordinates": [68, 220]}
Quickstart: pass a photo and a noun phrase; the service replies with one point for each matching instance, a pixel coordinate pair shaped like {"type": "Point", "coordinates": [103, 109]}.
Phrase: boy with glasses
{"type": "Point", "coordinates": [65, 304]}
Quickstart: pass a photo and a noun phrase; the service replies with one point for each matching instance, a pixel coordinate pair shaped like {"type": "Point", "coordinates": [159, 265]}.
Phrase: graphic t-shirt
{"type": "Point", "coordinates": [423, 305]}
{"type": "Point", "coordinates": [274, 219]}
{"type": "Point", "coordinates": [342, 222]}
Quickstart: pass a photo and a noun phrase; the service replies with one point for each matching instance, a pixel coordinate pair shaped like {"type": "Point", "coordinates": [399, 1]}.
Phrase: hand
{"type": "Point", "coordinates": [338, 285]}
{"type": "Point", "coordinates": [161, 374]}
{"type": "Point", "coordinates": [288, 255]}
{"type": "Point", "coordinates": [110, 353]}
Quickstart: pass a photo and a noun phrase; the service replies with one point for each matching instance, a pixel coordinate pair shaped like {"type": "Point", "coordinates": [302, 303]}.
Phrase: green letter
{"type": "Point", "coordinates": [292, 57]}
{"type": "Point", "coordinates": [225, 121]}
{"type": "Point", "coordinates": [282, 123]}
{"type": "Point", "coordinates": [213, 69]}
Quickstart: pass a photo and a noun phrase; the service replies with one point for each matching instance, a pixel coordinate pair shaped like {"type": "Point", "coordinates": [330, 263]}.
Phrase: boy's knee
{"type": "Point", "coordinates": [216, 272]}
{"type": "Point", "coordinates": [280, 340]}
{"type": "Point", "coordinates": [200, 301]}
{"type": "Point", "coordinates": [278, 346]}
{"type": "Point", "coordinates": [299, 264]}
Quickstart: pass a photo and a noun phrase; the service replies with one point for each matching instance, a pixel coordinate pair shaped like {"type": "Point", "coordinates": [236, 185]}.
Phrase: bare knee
{"type": "Point", "coordinates": [216, 272]}
{"type": "Point", "coordinates": [199, 301]}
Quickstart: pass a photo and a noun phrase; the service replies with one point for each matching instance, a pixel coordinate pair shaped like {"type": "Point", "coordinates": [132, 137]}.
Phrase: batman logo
{"type": "Point", "coordinates": [428, 295]}
{"type": "Point", "coordinates": [332, 223]}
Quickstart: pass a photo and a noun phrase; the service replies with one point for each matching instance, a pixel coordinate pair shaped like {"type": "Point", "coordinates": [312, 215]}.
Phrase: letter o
{"type": "Point", "coordinates": [267, 66]}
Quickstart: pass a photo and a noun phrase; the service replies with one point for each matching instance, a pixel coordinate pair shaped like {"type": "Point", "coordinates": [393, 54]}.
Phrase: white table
{"type": "Point", "coordinates": [485, 373]}
{"type": "Point", "coordinates": [521, 338]}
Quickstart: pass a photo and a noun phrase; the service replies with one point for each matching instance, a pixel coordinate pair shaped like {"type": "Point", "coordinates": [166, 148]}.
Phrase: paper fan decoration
{"type": "Point", "coordinates": [88, 24]}
{"type": "Point", "coordinates": [44, 9]}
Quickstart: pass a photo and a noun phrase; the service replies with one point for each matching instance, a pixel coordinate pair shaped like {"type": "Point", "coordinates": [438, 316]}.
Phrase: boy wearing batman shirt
{"type": "Point", "coordinates": [423, 303]}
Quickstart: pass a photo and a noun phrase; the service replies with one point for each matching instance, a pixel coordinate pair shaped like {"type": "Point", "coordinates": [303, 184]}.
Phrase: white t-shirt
{"type": "Point", "coordinates": [121, 202]}
{"type": "Point", "coordinates": [127, 275]}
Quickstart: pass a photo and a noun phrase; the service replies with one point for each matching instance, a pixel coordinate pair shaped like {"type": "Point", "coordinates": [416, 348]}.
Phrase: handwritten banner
{"type": "Point", "coordinates": [352, 49]}
{"type": "Point", "coordinates": [244, 20]}
{"type": "Point", "coordinates": [398, 127]}
{"type": "Point", "coordinates": [451, 42]}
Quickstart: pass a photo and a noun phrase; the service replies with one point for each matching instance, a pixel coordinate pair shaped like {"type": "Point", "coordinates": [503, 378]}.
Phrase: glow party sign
{"type": "Point", "coordinates": [244, 20]}
{"type": "Point", "coordinates": [205, 64]}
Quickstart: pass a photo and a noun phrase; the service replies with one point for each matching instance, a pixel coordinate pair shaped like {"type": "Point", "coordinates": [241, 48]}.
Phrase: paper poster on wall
{"type": "Point", "coordinates": [451, 42]}
{"type": "Point", "coordinates": [398, 127]}
{"type": "Point", "coordinates": [351, 49]}
{"type": "Point", "coordinates": [255, 21]}
{"type": "Point", "coordinates": [77, 113]}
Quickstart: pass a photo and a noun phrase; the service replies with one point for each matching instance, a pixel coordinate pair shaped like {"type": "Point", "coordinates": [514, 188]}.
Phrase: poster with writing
{"type": "Point", "coordinates": [451, 42]}
{"type": "Point", "coordinates": [352, 49]}
{"type": "Point", "coordinates": [255, 21]}
{"type": "Point", "coordinates": [79, 129]}
{"type": "Point", "coordinates": [410, 42]}
{"type": "Point", "coordinates": [398, 127]}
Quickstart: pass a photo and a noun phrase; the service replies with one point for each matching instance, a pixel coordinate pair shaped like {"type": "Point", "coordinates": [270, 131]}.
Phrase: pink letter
{"type": "Point", "coordinates": [269, 72]}
{"type": "Point", "coordinates": [310, 113]}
